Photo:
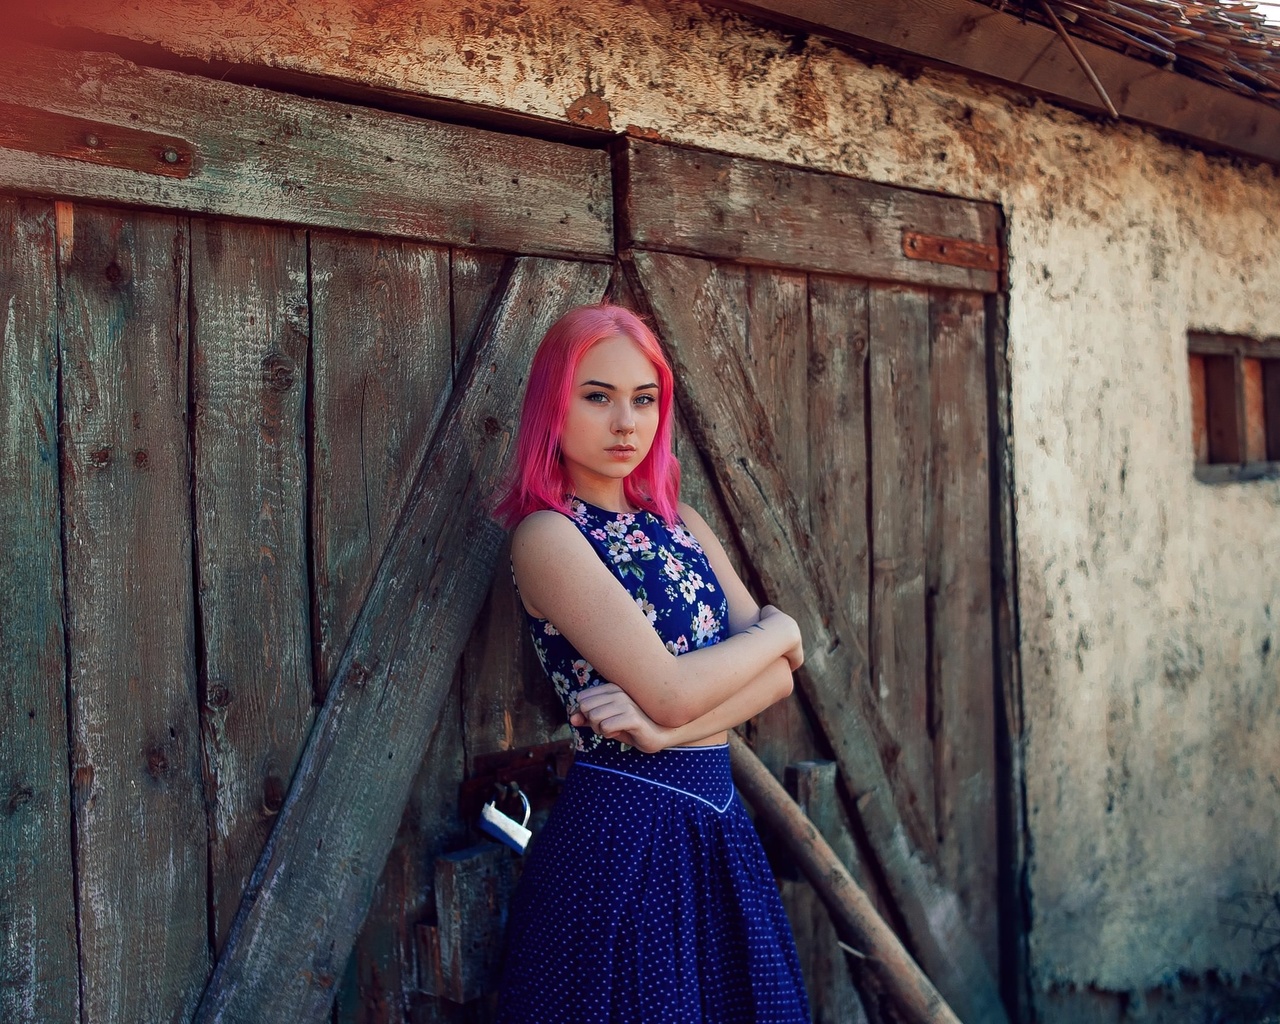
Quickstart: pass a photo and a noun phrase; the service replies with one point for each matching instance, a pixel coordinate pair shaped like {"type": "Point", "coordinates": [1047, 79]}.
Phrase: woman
{"type": "Point", "coordinates": [646, 897]}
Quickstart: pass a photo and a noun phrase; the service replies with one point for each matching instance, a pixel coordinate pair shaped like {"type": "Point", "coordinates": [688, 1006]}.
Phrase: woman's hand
{"type": "Point", "coordinates": [774, 618]}
{"type": "Point", "coordinates": [609, 711]}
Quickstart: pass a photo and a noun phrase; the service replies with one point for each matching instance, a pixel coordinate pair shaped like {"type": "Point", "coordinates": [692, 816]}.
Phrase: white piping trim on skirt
{"type": "Point", "coordinates": [652, 782]}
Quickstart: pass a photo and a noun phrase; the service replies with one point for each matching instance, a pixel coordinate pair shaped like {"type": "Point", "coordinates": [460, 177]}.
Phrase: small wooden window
{"type": "Point", "coordinates": [1235, 406]}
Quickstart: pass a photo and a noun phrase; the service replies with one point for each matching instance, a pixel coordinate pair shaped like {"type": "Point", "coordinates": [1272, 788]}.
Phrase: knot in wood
{"type": "Point", "coordinates": [100, 457]}
{"type": "Point", "coordinates": [492, 427]}
{"type": "Point", "coordinates": [277, 372]}
{"type": "Point", "coordinates": [272, 794]}
{"type": "Point", "coordinates": [358, 675]}
{"type": "Point", "coordinates": [219, 696]}
{"type": "Point", "coordinates": [18, 796]}
{"type": "Point", "coordinates": [140, 458]}
{"type": "Point", "coordinates": [157, 761]}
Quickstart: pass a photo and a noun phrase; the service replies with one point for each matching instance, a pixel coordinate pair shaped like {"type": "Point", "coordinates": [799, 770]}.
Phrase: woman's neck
{"type": "Point", "coordinates": [610, 497]}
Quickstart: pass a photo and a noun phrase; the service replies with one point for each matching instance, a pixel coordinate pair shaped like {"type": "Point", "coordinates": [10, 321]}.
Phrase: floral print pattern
{"type": "Point", "coordinates": [665, 570]}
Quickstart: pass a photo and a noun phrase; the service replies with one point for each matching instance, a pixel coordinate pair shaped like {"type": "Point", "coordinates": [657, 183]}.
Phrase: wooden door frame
{"type": "Point", "coordinates": [964, 248]}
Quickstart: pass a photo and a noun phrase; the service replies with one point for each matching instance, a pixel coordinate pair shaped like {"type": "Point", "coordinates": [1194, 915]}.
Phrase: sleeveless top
{"type": "Point", "coordinates": [665, 571]}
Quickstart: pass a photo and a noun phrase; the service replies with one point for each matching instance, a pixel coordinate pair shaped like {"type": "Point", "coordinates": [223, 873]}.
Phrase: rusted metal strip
{"type": "Point", "coordinates": [76, 138]}
{"type": "Point", "coordinates": [955, 252]}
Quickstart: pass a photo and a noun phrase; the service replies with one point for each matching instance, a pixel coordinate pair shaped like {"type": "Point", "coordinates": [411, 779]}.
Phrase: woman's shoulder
{"type": "Point", "coordinates": [693, 519]}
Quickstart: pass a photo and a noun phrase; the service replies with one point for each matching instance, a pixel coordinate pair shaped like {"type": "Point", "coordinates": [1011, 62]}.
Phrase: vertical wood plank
{"type": "Point", "coordinates": [962, 663]}
{"type": "Point", "coordinates": [837, 398]}
{"type": "Point", "coordinates": [38, 956]}
{"type": "Point", "coordinates": [776, 351]}
{"type": "Point", "coordinates": [506, 700]}
{"type": "Point", "coordinates": [139, 814]}
{"type": "Point", "coordinates": [832, 996]}
{"type": "Point", "coordinates": [250, 332]}
{"type": "Point", "coordinates": [381, 367]}
{"type": "Point", "coordinates": [899, 443]}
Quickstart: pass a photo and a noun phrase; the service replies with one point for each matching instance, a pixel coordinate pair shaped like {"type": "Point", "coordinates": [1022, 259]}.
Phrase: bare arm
{"type": "Point", "coordinates": [561, 578]}
{"type": "Point", "coordinates": [609, 711]}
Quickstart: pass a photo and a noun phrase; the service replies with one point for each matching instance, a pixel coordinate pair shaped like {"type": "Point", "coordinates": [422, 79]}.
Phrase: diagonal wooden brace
{"type": "Point", "coordinates": [733, 431]}
{"type": "Point", "coordinates": [314, 882]}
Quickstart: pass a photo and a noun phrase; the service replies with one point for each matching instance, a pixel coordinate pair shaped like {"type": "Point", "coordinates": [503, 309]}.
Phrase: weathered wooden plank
{"type": "Point", "coordinates": [962, 668]}
{"type": "Point", "coordinates": [506, 700]}
{"type": "Point", "coordinates": [705, 204]}
{"type": "Point", "coordinates": [777, 354]}
{"type": "Point", "coordinates": [971, 36]}
{"type": "Point", "coordinates": [839, 344]}
{"type": "Point", "coordinates": [250, 337]}
{"type": "Point", "coordinates": [733, 432]}
{"type": "Point", "coordinates": [140, 828]}
{"type": "Point", "coordinates": [474, 278]}
{"type": "Point", "coordinates": [314, 882]}
{"type": "Point", "coordinates": [381, 362]}
{"type": "Point", "coordinates": [899, 421]}
{"type": "Point", "coordinates": [37, 913]}
{"type": "Point", "coordinates": [384, 979]}
{"type": "Point", "coordinates": [287, 158]}
{"type": "Point", "coordinates": [832, 996]}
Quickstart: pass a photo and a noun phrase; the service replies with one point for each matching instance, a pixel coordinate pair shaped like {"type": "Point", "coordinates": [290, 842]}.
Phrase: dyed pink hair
{"type": "Point", "coordinates": [539, 479]}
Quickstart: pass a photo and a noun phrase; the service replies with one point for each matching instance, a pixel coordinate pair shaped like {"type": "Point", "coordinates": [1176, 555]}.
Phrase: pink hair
{"type": "Point", "coordinates": [539, 480]}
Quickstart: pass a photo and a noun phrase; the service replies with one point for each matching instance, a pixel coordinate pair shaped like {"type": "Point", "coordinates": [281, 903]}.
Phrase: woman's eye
{"type": "Point", "coordinates": [597, 396]}
{"type": "Point", "coordinates": [645, 399]}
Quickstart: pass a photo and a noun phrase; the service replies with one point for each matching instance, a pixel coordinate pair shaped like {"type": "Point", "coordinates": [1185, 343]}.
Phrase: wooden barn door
{"type": "Point", "coordinates": [831, 344]}
{"type": "Point", "coordinates": [214, 430]}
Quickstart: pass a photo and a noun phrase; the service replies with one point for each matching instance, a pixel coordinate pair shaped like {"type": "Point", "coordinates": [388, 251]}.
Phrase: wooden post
{"type": "Point", "coordinates": [315, 879]}
{"type": "Point", "coordinates": [855, 918]}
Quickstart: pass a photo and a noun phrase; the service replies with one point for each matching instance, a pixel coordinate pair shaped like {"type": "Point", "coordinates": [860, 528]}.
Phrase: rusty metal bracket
{"type": "Point", "coordinates": [955, 252]}
{"type": "Point", "coordinates": [538, 771]}
{"type": "Point", "coordinates": [76, 138]}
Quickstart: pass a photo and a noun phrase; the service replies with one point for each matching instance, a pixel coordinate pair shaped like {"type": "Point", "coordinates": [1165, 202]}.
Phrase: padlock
{"type": "Point", "coordinates": [506, 829]}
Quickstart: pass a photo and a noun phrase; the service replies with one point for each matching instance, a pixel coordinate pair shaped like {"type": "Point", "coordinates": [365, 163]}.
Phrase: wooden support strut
{"type": "Point", "coordinates": [315, 880]}
{"type": "Point", "coordinates": [731, 428]}
{"type": "Point", "coordinates": [852, 912]}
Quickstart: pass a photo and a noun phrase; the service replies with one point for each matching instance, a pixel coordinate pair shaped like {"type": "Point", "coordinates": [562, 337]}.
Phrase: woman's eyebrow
{"type": "Point", "coordinates": [611, 387]}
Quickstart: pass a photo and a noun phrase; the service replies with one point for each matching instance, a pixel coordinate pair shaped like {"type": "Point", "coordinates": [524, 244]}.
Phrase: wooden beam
{"type": "Point", "coordinates": [884, 957]}
{"type": "Point", "coordinates": [270, 156]}
{"type": "Point", "coordinates": [315, 880]}
{"type": "Point", "coordinates": [731, 428]}
{"type": "Point", "coordinates": [966, 36]}
{"type": "Point", "coordinates": [754, 211]}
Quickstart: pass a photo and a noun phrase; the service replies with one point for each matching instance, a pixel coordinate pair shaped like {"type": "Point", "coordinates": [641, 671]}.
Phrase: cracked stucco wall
{"type": "Point", "coordinates": [1149, 603]}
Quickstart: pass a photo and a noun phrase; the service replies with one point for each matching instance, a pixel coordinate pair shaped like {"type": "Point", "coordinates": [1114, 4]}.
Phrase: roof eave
{"type": "Point", "coordinates": [974, 38]}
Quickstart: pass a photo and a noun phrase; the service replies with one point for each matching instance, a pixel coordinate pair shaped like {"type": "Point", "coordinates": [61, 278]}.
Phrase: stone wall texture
{"type": "Point", "coordinates": [1149, 603]}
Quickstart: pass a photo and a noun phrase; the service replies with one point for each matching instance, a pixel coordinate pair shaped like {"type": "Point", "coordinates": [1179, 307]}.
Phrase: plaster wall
{"type": "Point", "coordinates": [1150, 603]}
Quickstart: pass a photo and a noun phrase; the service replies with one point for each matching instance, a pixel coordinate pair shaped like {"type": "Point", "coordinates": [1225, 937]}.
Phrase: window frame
{"type": "Point", "coordinates": [1224, 384]}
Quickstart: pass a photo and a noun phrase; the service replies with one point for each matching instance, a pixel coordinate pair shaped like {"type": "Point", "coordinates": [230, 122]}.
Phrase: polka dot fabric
{"type": "Point", "coordinates": [647, 898]}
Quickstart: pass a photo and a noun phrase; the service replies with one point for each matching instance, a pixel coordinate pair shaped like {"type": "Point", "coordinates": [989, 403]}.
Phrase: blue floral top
{"type": "Point", "coordinates": [667, 574]}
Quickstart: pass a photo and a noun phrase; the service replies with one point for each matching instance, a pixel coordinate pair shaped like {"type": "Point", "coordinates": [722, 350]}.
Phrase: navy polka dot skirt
{"type": "Point", "coordinates": [647, 898]}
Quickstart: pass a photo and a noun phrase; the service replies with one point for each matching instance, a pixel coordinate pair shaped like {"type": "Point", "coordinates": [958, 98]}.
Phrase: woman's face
{"type": "Point", "coordinates": [612, 416]}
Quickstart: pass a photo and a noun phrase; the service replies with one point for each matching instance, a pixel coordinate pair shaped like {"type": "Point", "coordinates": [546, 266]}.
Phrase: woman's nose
{"type": "Point", "coordinates": [624, 422]}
